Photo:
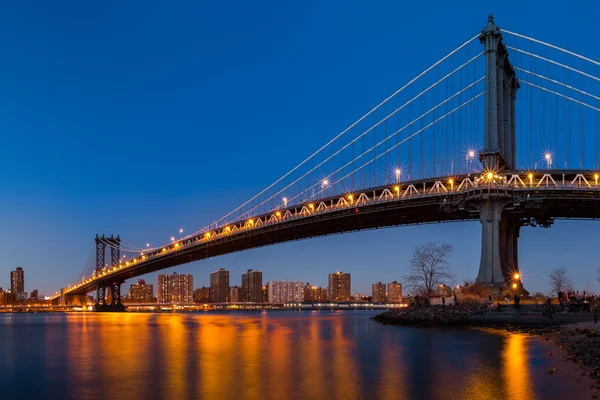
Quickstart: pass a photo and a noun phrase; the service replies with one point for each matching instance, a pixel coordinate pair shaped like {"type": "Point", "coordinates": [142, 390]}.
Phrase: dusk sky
{"type": "Point", "coordinates": [140, 118]}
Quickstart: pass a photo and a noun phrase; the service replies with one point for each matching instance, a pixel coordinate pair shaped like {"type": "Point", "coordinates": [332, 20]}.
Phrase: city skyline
{"type": "Point", "coordinates": [63, 203]}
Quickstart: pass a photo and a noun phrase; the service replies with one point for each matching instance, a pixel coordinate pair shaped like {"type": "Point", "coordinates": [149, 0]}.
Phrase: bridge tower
{"type": "Point", "coordinates": [114, 287]}
{"type": "Point", "coordinates": [500, 231]}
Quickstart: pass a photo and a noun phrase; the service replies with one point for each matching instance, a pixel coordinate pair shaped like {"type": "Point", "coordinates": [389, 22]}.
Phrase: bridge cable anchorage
{"type": "Point", "coordinates": [559, 94]}
{"type": "Point", "coordinates": [377, 144]}
{"type": "Point", "coordinates": [393, 134]}
{"type": "Point", "coordinates": [558, 83]}
{"type": "Point", "coordinates": [414, 134]}
{"type": "Point", "coordinates": [552, 46]}
{"type": "Point", "coordinates": [554, 63]}
{"type": "Point", "coordinates": [342, 133]}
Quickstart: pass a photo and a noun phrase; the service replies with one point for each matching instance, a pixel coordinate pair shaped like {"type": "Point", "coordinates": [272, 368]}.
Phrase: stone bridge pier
{"type": "Point", "coordinates": [499, 244]}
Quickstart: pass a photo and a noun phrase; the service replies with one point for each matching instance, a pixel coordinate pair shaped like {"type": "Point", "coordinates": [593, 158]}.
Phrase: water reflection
{"type": "Point", "coordinates": [268, 355]}
{"type": "Point", "coordinates": [516, 368]}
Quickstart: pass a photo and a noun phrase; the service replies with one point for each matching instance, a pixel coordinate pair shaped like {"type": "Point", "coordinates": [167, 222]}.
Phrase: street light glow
{"type": "Point", "coordinates": [490, 175]}
{"type": "Point", "coordinates": [514, 285]}
{"type": "Point", "coordinates": [471, 154]}
{"type": "Point", "coordinates": [517, 276]}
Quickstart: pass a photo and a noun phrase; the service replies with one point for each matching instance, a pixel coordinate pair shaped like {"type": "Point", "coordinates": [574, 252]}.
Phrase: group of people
{"type": "Point", "coordinates": [573, 301]}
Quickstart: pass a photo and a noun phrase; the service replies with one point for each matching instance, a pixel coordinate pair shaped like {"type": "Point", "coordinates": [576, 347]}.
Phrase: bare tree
{"type": "Point", "coordinates": [559, 282]}
{"type": "Point", "coordinates": [429, 268]}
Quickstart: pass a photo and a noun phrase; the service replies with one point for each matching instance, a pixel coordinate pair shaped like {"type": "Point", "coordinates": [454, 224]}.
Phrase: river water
{"type": "Point", "coordinates": [264, 355]}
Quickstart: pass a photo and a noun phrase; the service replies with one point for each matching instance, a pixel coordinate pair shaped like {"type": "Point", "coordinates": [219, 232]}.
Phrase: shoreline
{"type": "Point", "coordinates": [577, 347]}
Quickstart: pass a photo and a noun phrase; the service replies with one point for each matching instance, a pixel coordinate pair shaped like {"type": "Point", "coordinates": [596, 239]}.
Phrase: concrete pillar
{"type": "Point", "coordinates": [499, 245]}
{"type": "Point", "coordinates": [490, 266]}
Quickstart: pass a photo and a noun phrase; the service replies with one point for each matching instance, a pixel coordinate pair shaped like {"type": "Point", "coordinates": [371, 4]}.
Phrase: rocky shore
{"type": "Point", "coordinates": [580, 345]}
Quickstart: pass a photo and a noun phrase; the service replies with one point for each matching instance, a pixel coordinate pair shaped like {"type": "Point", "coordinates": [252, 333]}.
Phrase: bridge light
{"type": "Point", "coordinates": [207, 235]}
{"type": "Point", "coordinates": [176, 245]}
{"type": "Point", "coordinates": [490, 176]}
{"type": "Point", "coordinates": [251, 221]}
{"type": "Point", "coordinates": [514, 285]}
{"type": "Point", "coordinates": [311, 205]}
{"type": "Point", "coordinates": [278, 214]}
{"type": "Point", "coordinates": [530, 176]}
{"type": "Point", "coordinates": [227, 229]}
{"type": "Point", "coordinates": [517, 276]}
{"type": "Point", "coordinates": [163, 250]}
{"type": "Point", "coordinates": [596, 178]}
{"type": "Point", "coordinates": [180, 230]}
{"type": "Point", "coordinates": [471, 153]}
{"type": "Point", "coordinates": [350, 197]}
{"type": "Point", "coordinates": [172, 239]}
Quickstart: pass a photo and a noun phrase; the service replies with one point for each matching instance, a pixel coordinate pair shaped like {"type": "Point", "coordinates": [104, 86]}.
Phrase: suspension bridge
{"type": "Point", "coordinates": [502, 130]}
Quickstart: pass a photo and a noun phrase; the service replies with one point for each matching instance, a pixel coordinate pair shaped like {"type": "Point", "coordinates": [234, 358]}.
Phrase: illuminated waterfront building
{"type": "Point", "coordinates": [264, 298]}
{"type": "Point", "coordinates": [338, 289]}
{"type": "Point", "coordinates": [175, 288]}
{"type": "Point", "coordinates": [202, 295]}
{"type": "Point", "coordinates": [219, 286]}
{"type": "Point", "coordinates": [141, 292]}
{"type": "Point", "coordinates": [394, 292]}
{"type": "Point", "coordinates": [17, 284]}
{"type": "Point", "coordinates": [285, 292]}
{"type": "Point", "coordinates": [378, 292]}
{"type": "Point", "coordinates": [235, 294]}
{"type": "Point", "coordinates": [314, 293]}
{"type": "Point", "coordinates": [252, 286]}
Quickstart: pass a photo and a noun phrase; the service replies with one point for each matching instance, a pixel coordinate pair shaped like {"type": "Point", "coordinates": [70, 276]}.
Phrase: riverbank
{"type": "Point", "coordinates": [576, 344]}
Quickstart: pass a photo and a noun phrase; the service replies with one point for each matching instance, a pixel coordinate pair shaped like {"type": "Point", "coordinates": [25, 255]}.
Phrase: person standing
{"type": "Point", "coordinates": [517, 304]}
{"type": "Point", "coordinates": [595, 313]}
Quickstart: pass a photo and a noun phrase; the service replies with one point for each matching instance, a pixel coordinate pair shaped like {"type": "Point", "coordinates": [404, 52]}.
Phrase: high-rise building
{"type": "Point", "coordinates": [378, 293]}
{"type": "Point", "coordinates": [17, 284]}
{"type": "Point", "coordinates": [252, 286]}
{"type": "Point", "coordinates": [202, 295]}
{"type": "Point", "coordinates": [235, 294]}
{"type": "Point", "coordinates": [219, 286]}
{"type": "Point", "coordinates": [284, 291]}
{"type": "Point", "coordinates": [338, 289]}
{"type": "Point", "coordinates": [175, 288]}
{"type": "Point", "coordinates": [3, 297]}
{"type": "Point", "coordinates": [314, 293]}
{"type": "Point", "coordinates": [264, 298]}
{"type": "Point", "coordinates": [394, 292]}
{"type": "Point", "coordinates": [34, 294]}
{"type": "Point", "coordinates": [142, 292]}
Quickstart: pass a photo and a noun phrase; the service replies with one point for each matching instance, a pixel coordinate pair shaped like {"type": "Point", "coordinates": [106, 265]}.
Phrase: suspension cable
{"type": "Point", "coordinates": [554, 62]}
{"type": "Point", "coordinates": [552, 47]}
{"type": "Point", "coordinates": [559, 94]}
{"type": "Point", "coordinates": [558, 83]}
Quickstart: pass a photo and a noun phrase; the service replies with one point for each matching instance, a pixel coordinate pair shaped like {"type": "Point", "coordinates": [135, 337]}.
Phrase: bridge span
{"type": "Point", "coordinates": [526, 198]}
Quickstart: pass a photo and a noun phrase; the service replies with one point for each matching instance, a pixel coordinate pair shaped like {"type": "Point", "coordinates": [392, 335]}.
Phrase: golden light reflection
{"type": "Point", "coordinates": [392, 384]}
{"type": "Point", "coordinates": [174, 336]}
{"type": "Point", "coordinates": [346, 378]}
{"type": "Point", "coordinates": [216, 357]}
{"type": "Point", "coordinates": [312, 360]}
{"type": "Point", "coordinates": [515, 368]}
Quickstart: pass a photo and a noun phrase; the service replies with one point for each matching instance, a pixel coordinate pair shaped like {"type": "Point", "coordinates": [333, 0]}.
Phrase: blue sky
{"type": "Point", "coordinates": [139, 118]}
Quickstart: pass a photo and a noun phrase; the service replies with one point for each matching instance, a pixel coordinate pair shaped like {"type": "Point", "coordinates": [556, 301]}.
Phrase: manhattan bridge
{"type": "Point", "coordinates": [502, 130]}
